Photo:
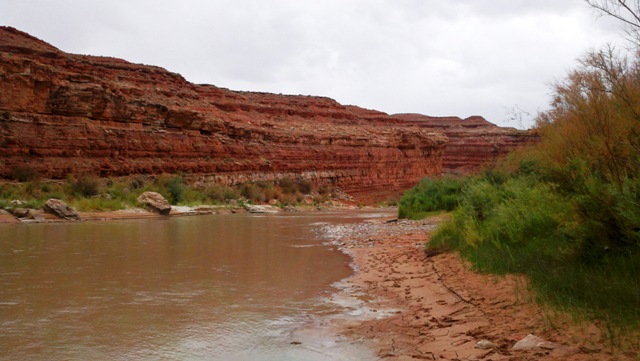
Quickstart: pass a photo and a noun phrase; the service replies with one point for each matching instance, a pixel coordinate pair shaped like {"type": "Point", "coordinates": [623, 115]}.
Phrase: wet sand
{"type": "Point", "coordinates": [436, 308]}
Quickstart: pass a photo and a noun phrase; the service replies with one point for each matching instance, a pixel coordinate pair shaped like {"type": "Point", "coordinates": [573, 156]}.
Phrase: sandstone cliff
{"type": "Point", "coordinates": [472, 142]}
{"type": "Point", "coordinates": [64, 114]}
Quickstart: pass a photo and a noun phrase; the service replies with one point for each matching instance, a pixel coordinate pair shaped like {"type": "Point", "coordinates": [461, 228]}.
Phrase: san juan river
{"type": "Point", "coordinates": [221, 287]}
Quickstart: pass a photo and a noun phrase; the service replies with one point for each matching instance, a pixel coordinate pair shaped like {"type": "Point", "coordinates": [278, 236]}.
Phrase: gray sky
{"type": "Point", "coordinates": [435, 57]}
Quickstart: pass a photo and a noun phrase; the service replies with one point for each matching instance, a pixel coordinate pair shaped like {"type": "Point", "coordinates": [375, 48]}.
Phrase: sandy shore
{"type": "Point", "coordinates": [436, 308]}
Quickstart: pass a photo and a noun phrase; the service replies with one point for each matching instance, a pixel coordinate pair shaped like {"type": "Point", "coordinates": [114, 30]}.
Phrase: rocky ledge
{"type": "Point", "coordinates": [63, 114]}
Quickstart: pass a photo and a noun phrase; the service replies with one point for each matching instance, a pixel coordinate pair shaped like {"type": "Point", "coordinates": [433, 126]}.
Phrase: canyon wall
{"type": "Point", "coordinates": [64, 114]}
{"type": "Point", "coordinates": [472, 142]}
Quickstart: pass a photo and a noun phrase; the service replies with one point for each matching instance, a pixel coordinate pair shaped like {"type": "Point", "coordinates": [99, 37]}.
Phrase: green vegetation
{"type": "Point", "coordinates": [429, 196]}
{"type": "Point", "coordinates": [566, 211]}
{"type": "Point", "coordinates": [580, 254]}
{"type": "Point", "coordinates": [90, 193]}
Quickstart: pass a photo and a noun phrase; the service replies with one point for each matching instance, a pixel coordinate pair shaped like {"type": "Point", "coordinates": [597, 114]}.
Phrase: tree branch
{"type": "Point", "coordinates": [617, 9]}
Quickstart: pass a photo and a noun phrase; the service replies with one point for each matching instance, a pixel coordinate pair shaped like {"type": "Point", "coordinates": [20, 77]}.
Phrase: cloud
{"type": "Point", "coordinates": [459, 57]}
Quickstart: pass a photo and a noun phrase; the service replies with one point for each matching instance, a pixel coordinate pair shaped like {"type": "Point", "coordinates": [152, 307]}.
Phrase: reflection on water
{"type": "Point", "coordinates": [224, 287]}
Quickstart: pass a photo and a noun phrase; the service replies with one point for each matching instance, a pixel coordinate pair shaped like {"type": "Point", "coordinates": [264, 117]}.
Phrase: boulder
{"type": "Point", "coordinates": [61, 209]}
{"type": "Point", "coordinates": [156, 202]}
{"type": "Point", "coordinates": [21, 212]}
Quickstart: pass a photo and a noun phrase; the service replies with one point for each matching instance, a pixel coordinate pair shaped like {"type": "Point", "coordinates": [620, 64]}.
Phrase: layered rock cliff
{"type": "Point", "coordinates": [64, 114]}
{"type": "Point", "coordinates": [472, 142]}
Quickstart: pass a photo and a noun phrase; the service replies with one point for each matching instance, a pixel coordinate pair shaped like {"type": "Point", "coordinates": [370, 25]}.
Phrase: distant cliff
{"type": "Point", "coordinates": [473, 142]}
{"type": "Point", "coordinates": [63, 114]}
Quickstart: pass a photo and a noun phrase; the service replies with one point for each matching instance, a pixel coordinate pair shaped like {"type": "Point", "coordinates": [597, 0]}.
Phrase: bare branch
{"type": "Point", "coordinates": [633, 12]}
{"type": "Point", "coordinates": [622, 10]}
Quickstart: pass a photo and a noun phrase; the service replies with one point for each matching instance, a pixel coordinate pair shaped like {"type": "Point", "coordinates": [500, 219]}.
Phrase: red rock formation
{"type": "Point", "coordinates": [473, 142]}
{"type": "Point", "coordinates": [64, 114]}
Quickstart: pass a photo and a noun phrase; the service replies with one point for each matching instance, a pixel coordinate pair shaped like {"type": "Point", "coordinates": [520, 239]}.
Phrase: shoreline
{"type": "Point", "coordinates": [40, 216]}
{"type": "Point", "coordinates": [403, 305]}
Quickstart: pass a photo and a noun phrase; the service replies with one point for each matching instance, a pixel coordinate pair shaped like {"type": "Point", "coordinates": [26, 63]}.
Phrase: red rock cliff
{"type": "Point", "coordinates": [66, 114]}
{"type": "Point", "coordinates": [473, 142]}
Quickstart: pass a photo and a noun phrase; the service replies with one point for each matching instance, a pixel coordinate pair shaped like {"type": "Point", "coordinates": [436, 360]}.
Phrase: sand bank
{"type": "Point", "coordinates": [436, 308]}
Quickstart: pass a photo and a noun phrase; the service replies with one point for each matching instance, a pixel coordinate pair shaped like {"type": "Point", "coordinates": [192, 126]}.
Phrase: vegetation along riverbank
{"type": "Point", "coordinates": [566, 211]}
{"type": "Point", "coordinates": [118, 197]}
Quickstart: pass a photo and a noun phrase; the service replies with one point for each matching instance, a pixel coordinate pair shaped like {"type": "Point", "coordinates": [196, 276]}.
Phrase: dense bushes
{"type": "Point", "coordinates": [430, 195]}
{"type": "Point", "coordinates": [565, 212]}
{"type": "Point", "coordinates": [580, 250]}
{"type": "Point", "coordinates": [85, 186]}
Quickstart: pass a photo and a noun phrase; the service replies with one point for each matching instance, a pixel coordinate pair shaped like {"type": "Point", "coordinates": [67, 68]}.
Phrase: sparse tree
{"type": "Point", "coordinates": [626, 11]}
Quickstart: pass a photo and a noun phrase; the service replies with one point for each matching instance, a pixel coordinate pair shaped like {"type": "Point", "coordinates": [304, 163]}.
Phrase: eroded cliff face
{"type": "Point", "coordinates": [473, 143]}
{"type": "Point", "coordinates": [63, 114]}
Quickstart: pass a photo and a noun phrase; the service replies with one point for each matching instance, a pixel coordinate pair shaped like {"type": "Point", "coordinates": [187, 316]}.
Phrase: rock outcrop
{"type": "Point", "coordinates": [64, 114]}
{"type": "Point", "coordinates": [473, 142]}
{"type": "Point", "coordinates": [155, 202]}
{"type": "Point", "coordinates": [61, 209]}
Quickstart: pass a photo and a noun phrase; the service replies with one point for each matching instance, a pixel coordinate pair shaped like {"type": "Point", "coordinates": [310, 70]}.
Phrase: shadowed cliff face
{"type": "Point", "coordinates": [64, 114]}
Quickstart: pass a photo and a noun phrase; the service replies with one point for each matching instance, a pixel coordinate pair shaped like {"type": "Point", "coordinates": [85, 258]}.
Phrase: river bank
{"type": "Point", "coordinates": [40, 216]}
{"type": "Point", "coordinates": [418, 307]}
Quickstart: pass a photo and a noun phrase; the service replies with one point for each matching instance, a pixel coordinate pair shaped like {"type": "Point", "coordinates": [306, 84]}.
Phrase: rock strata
{"type": "Point", "coordinates": [473, 142]}
{"type": "Point", "coordinates": [64, 114]}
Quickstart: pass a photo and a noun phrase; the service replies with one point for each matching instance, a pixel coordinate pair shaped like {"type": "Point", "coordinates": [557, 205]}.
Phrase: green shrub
{"type": "Point", "coordinates": [120, 190]}
{"type": "Point", "coordinates": [253, 192]}
{"type": "Point", "coordinates": [431, 195]}
{"type": "Point", "coordinates": [229, 193]}
{"type": "Point", "coordinates": [581, 251]}
{"type": "Point", "coordinates": [85, 186]}
{"type": "Point", "coordinates": [609, 217]}
{"type": "Point", "coordinates": [176, 190]}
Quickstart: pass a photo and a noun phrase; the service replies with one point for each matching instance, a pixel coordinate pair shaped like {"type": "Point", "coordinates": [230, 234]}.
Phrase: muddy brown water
{"type": "Point", "coordinates": [220, 287]}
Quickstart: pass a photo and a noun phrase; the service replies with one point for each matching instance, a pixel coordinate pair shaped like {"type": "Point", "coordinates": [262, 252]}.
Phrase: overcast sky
{"type": "Point", "coordinates": [435, 57]}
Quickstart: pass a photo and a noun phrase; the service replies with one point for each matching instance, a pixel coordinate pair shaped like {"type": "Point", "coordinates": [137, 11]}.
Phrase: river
{"type": "Point", "coordinates": [220, 287]}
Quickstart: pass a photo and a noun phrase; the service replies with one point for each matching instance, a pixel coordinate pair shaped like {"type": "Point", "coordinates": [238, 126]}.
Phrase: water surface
{"type": "Point", "coordinates": [221, 287]}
